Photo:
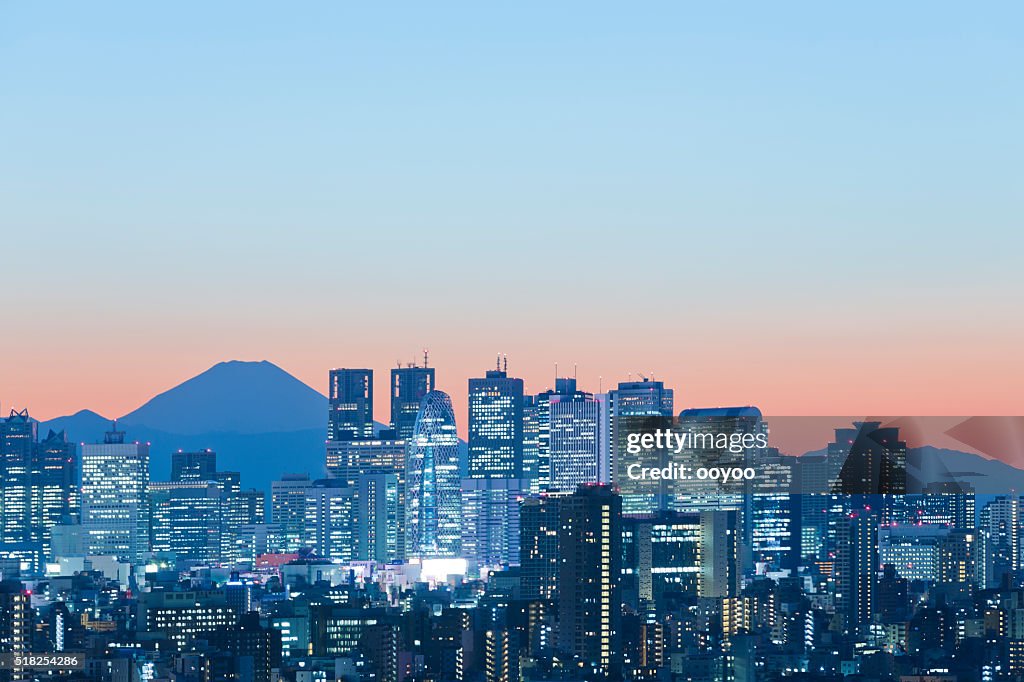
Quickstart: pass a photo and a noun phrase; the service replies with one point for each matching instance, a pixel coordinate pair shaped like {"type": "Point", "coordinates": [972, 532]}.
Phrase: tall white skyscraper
{"type": "Point", "coordinates": [577, 440]}
{"type": "Point", "coordinates": [115, 508]}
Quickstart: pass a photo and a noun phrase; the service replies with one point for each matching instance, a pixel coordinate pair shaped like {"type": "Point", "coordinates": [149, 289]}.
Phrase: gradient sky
{"type": "Point", "coordinates": [810, 207]}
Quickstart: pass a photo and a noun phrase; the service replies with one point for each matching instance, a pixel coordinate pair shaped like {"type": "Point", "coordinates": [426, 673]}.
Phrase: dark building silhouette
{"type": "Point", "coordinates": [194, 466]}
{"type": "Point", "coordinates": [350, 404]}
{"type": "Point", "coordinates": [874, 460]}
{"type": "Point", "coordinates": [253, 651]}
{"type": "Point", "coordinates": [15, 625]}
{"type": "Point", "coordinates": [409, 386]}
{"type": "Point", "coordinates": [589, 593]}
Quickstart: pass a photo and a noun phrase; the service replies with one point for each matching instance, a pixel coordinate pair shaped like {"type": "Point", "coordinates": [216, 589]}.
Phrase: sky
{"type": "Point", "coordinates": [809, 207]}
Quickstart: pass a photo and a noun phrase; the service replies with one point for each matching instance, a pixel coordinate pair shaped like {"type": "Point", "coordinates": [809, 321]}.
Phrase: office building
{"type": "Point", "coordinates": [55, 496]}
{"type": "Point", "coordinates": [193, 466]}
{"type": "Point", "coordinates": [589, 594]}
{"type": "Point", "coordinates": [575, 443]}
{"type": "Point", "coordinates": [539, 524]}
{"type": "Point", "coordinates": [636, 407]}
{"type": "Point", "coordinates": [288, 508]}
{"type": "Point", "coordinates": [17, 443]}
{"type": "Point", "coordinates": [186, 520]}
{"type": "Point", "coordinates": [351, 462]}
{"type": "Point", "coordinates": [379, 527]}
{"type": "Point", "coordinates": [409, 386]}
{"type": "Point", "coordinates": [494, 484]}
{"type": "Point", "coordinates": [330, 526]}
{"type": "Point", "coordinates": [115, 508]}
{"type": "Point", "coordinates": [433, 524]}
{"type": "Point", "coordinates": [350, 404]}
{"type": "Point", "coordinates": [15, 626]}
{"type": "Point", "coordinates": [495, 443]}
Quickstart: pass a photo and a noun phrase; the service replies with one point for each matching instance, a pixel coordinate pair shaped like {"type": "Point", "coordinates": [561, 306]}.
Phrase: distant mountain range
{"type": "Point", "coordinates": [263, 422]}
{"type": "Point", "coordinates": [260, 420]}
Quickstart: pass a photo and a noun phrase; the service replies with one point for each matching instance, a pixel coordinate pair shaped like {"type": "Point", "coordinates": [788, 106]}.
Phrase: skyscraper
{"type": "Point", "coordinates": [352, 462]}
{"type": "Point", "coordinates": [589, 593]}
{"type": "Point", "coordinates": [719, 553]}
{"type": "Point", "coordinates": [575, 442]}
{"type": "Point", "coordinates": [496, 426]}
{"type": "Point", "coordinates": [193, 466]}
{"type": "Point", "coordinates": [186, 520]}
{"type": "Point", "coordinates": [115, 509]}
{"type": "Point", "coordinates": [856, 566]}
{"type": "Point", "coordinates": [55, 495]}
{"type": "Point", "coordinates": [536, 442]}
{"type": "Point", "coordinates": [17, 441]}
{"type": "Point", "coordinates": [350, 396]}
{"type": "Point", "coordinates": [634, 407]}
{"type": "Point", "coordinates": [432, 503]}
{"type": "Point", "coordinates": [1000, 524]}
{"type": "Point", "coordinates": [490, 494]}
{"type": "Point", "coordinates": [15, 625]}
{"type": "Point", "coordinates": [409, 386]}
{"type": "Point", "coordinates": [288, 508]}
{"type": "Point", "coordinates": [539, 523]}
{"type": "Point", "coordinates": [330, 520]}
{"type": "Point", "coordinates": [379, 527]}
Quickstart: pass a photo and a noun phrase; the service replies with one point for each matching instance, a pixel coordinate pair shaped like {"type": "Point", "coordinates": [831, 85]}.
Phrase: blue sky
{"type": "Point", "coordinates": [332, 183]}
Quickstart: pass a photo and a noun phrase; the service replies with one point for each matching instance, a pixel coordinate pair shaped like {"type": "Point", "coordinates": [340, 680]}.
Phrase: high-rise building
{"type": "Point", "coordinates": [186, 520]}
{"type": "Point", "coordinates": [913, 551]}
{"type": "Point", "coordinates": [17, 443]}
{"type": "Point", "coordinates": [350, 404]}
{"type": "Point", "coordinates": [351, 462]}
{"type": "Point", "coordinates": [194, 466]}
{"type": "Point", "coordinates": [490, 494]}
{"type": "Point", "coordinates": [490, 520]}
{"type": "Point", "coordinates": [769, 514]}
{"type": "Point", "coordinates": [589, 593]}
{"type": "Point", "coordinates": [873, 460]}
{"type": "Point", "coordinates": [719, 553]}
{"type": "Point", "coordinates": [433, 526]}
{"type": "Point", "coordinates": [633, 407]}
{"type": "Point", "coordinates": [409, 386]}
{"type": "Point", "coordinates": [539, 524]}
{"type": "Point", "coordinates": [379, 527]}
{"type": "Point", "coordinates": [15, 626]}
{"type": "Point", "coordinates": [662, 553]}
{"type": "Point", "coordinates": [330, 526]}
{"type": "Point", "coordinates": [495, 443]}
{"type": "Point", "coordinates": [1000, 524]}
{"type": "Point", "coordinates": [115, 509]}
{"type": "Point", "coordinates": [254, 651]}
{"type": "Point", "coordinates": [288, 508]}
{"type": "Point", "coordinates": [536, 442]}
{"type": "Point", "coordinates": [856, 566]}
{"type": "Point", "coordinates": [575, 442]}
{"type": "Point", "coordinates": [55, 494]}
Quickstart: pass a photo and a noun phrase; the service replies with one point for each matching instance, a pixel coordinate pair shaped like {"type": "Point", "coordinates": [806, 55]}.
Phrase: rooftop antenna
{"type": "Point", "coordinates": [426, 352]}
{"type": "Point", "coordinates": [506, 362]}
{"type": "Point", "coordinates": [574, 371]}
{"type": "Point", "coordinates": [497, 363]}
{"type": "Point", "coordinates": [600, 383]}
{"type": "Point", "coordinates": [556, 374]}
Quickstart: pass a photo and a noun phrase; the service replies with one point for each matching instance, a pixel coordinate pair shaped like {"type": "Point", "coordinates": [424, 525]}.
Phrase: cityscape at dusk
{"type": "Point", "coordinates": [540, 342]}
